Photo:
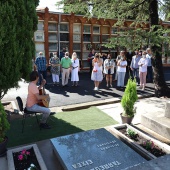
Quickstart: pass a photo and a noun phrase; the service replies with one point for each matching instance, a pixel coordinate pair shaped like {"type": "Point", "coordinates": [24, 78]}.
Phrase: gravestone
{"type": "Point", "coordinates": [94, 150]}
{"type": "Point", "coordinates": [161, 163]}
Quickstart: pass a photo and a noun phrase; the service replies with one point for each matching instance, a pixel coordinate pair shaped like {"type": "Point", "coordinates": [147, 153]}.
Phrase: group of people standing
{"type": "Point", "coordinates": [142, 68]}
{"type": "Point", "coordinates": [104, 66]}
{"type": "Point", "coordinates": [62, 67]}
{"type": "Point", "coordinates": [100, 66]}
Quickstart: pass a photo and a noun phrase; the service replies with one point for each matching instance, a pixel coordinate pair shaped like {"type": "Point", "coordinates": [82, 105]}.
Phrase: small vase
{"type": "Point", "coordinates": [126, 119]}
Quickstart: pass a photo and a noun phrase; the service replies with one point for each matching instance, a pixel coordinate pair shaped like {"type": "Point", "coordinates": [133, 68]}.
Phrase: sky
{"type": "Point", "coordinates": [50, 4]}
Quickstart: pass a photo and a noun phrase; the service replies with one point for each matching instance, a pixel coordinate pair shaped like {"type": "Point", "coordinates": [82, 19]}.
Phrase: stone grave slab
{"type": "Point", "coordinates": [94, 150]}
{"type": "Point", "coordinates": [162, 163]}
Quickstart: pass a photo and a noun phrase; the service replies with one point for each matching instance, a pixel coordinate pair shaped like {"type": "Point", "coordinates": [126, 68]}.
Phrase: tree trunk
{"type": "Point", "coordinates": [161, 88]}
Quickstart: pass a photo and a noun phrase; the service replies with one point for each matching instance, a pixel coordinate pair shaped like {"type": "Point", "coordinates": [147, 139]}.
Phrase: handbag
{"type": "Point", "coordinates": [94, 70]}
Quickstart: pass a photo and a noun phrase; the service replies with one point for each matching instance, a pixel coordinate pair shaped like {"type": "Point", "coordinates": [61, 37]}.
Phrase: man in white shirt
{"type": "Point", "coordinates": [149, 67]}
{"type": "Point", "coordinates": [135, 67]}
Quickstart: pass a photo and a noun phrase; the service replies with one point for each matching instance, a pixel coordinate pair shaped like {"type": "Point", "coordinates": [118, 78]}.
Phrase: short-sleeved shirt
{"type": "Point", "coordinates": [31, 98]}
{"type": "Point", "coordinates": [55, 69]}
{"type": "Point", "coordinates": [143, 68]}
{"type": "Point", "coordinates": [134, 62]}
{"type": "Point", "coordinates": [122, 69]}
{"type": "Point", "coordinates": [91, 57]}
{"type": "Point", "coordinates": [109, 63]}
{"type": "Point", "coordinates": [149, 56]}
{"type": "Point", "coordinates": [65, 62]}
{"type": "Point", "coordinates": [41, 63]}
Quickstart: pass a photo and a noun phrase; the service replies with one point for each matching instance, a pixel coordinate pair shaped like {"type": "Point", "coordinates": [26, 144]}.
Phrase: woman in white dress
{"type": "Point", "coordinates": [121, 70]}
{"type": "Point", "coordinates": [97, 75]}
{"type": "Point", "coordinates": [75, 69]}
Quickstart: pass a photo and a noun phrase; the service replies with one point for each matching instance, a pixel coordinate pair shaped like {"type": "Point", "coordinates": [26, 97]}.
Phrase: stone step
{"type": "Point", "coordinates": [151, 133]}
{"type": "Point", "coordinates": [157, 122]}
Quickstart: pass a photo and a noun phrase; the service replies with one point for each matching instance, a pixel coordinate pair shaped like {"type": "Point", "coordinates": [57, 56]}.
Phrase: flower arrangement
{"type": "Point", "coordinates": [23, 155]}
{"type": "Point", "coordinates": [89, 46]}
{"type": "Point", "coordinates": [98, 46]}
{"type": "Point", "coordinates": [26, 159]}
{"type": "Point", "coordinates": [148, 144]}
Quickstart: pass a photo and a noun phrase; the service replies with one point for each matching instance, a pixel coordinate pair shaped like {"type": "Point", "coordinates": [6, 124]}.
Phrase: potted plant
{"type": "Point", "coordinates": [4, 126]}
{"type": "Point", "coordinates": [128, 100]}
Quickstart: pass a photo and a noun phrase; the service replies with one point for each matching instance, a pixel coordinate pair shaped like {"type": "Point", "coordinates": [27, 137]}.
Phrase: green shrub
{"type": "Point", "coordinates": [131, 133]}
{"type": "Point", "coordinates": [129, 98]}
{"type": "Point", "coordinates": [4, 124]}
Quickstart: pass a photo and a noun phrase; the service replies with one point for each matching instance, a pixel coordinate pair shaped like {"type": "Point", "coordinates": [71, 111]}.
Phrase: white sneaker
{"type": "Point", "coordinates": [107, 85]}
{"type": "Point", "coordinates": [111, 85]}
{"type": "Point", "coordinates": [95, 88]}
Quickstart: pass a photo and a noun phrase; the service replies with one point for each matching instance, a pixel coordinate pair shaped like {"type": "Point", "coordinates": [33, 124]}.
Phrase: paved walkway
{"type": "Point", "coordinates": [75, 95]}
{"type": "Point", "coordinates": [148, 105]}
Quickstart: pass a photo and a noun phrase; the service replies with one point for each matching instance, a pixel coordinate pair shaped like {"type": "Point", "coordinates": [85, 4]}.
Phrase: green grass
{"type": "Point", "coordinates": [64, 123]}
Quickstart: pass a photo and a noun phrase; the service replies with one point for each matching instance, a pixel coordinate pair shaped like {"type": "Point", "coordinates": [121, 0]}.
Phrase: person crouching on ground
{"type": "Point", "coordinates": [34, 97]}
{"type": "Point", "coordinates": [97, 75]}
{"type": "Point", "coordinates": [75, 69]}
{"type": "Point", "coordinates": [109, 65]}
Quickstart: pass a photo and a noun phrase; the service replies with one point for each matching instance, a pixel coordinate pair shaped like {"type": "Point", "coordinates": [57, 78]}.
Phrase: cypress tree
{"type": "Point", "coordinates": [18, 21]}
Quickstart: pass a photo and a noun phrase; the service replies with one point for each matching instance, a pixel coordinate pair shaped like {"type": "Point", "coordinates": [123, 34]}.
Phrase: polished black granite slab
{"type": "Point", "coordinates": [161, 163]}
{"type": "Point", "coordinates": [94, 150]}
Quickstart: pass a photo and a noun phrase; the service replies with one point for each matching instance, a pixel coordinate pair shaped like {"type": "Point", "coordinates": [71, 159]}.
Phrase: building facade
{"type": "Point", "coordinates": [75, 33]}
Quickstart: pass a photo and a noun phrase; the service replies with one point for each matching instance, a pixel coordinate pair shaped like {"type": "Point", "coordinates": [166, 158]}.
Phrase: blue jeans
{"type": "Point", "coordinates": [136, 74]}
{"type": "Point", "coordinates": [150, 74]}
{"type": "Point", "coordinates": [45, 111]}
{"type": "Point", "coordinates": [44, 74]}
{"type": "Point", "coordinates": [120, 79]}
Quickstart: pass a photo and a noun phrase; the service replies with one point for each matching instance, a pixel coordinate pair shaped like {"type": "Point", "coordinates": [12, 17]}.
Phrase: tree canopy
{"type": "Point", "coordinates": [136, 10]}
{"type": "Point", "coordinates": [142, 13]}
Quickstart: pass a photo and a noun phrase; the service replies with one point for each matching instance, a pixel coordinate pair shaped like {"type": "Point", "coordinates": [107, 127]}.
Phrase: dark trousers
{"type": "Point", "coordinates": [91, 67]}
{"type": "Point", "coordinates": [44, 74]}
{"type": "Point", "coordinates": [149, 74]}
{"type": "Point", "coordinates": [136, 74]}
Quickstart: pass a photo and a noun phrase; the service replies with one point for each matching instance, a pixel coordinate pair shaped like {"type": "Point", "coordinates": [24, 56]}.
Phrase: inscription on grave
{"type": "Point", "coordinates": [107, 166]}
{"type": "Point", "coordinates": [107, 145]}
{"type": "Point", "coordinates": [82, 164]}
{"type": "Point", "coordinates": [94, 150]}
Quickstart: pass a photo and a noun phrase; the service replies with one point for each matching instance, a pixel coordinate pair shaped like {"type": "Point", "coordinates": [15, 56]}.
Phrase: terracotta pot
{"type": "Point", "coordinates": [3, 147]}
{"type": "Point", "coordinates": [126, 119]}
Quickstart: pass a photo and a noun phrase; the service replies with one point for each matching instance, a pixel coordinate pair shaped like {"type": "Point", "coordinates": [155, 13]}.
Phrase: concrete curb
{"type": "Point", "coordinates": [96, 103]}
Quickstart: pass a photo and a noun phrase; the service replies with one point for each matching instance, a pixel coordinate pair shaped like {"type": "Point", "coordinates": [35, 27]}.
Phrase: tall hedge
{"type": "Point", "coordinates": [4, 124]}
{"type": "Point", "coordinates": [18, 22]}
